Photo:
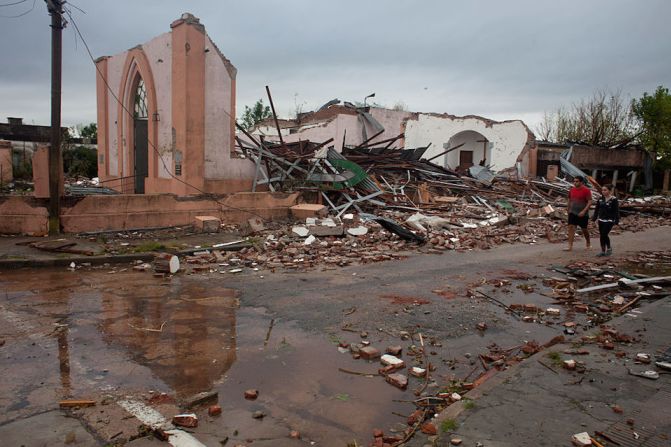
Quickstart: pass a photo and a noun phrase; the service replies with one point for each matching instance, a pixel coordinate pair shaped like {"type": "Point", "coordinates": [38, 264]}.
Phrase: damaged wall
{"type": "Point", "coordinates": [500, 144]}
{"type": "Point", "coordinates": [190, 99]}
{"type": "Point", "coordinates": [508, 139]}
{"type": "Point", "coordinates": [336, 122]}
{"type": "Point", "coordinates": [28, 215]}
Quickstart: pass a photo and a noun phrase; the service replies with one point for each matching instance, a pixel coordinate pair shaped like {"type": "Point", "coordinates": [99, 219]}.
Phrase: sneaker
{"type": "Point", "coordinates": [603, 253]}
{"type": "Point", "coordinates": [609, 252]}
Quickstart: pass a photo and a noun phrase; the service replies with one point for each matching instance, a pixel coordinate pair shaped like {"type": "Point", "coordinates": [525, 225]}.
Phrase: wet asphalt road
{"type": "Point", "coordinates": [101, 335]}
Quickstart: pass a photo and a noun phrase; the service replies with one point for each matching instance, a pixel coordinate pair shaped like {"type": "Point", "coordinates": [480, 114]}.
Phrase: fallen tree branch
{"type": "Point", "coordinates": [547, 366]}
{"type": "Point", "coordinates": [412, 432]}
{"type": "Point", "coordinates": [506, 307]}
{"type": "Point", "coordinates": [357, 373]}
{"type": "Point", "coordinates": [270, 328]}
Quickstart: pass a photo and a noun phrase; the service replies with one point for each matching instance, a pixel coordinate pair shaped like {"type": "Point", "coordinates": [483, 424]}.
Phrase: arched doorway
{"type": "Point", "coordinates": [471, 148]}
{"type": "Point", "coordinates": [140, 135]}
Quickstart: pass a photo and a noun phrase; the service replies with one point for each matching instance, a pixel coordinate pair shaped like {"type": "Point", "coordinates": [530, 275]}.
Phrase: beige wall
{"type": "Point", "coordinates": [508, 139]}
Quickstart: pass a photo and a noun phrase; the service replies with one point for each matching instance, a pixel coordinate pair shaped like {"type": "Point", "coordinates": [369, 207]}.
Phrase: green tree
{"type": "Point", "coordinates": [89, 131]}
{"type": "Point", "coordinates": [654, 115]}
{"type": "Point", "coordinates": [80, 161]}
{"type": "Point", "coordinates": [254, 115]}
{"type": "Point", "coordinates": [604, 119]}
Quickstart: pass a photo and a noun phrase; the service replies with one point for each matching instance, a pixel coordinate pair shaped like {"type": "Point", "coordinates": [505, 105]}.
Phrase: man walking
{"type": "Point", "coordinates": [579, 202]}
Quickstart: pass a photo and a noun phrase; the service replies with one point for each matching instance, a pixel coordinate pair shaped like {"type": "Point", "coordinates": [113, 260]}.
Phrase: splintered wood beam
{"type": "Point", "coordinates": [445, 152]}
{"type": "Point", "coordinates": [365, 143]}
{"type": "Point", "coordinates": [277, 123]}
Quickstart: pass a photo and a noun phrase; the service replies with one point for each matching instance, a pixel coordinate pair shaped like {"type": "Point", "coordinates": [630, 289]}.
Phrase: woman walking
{"type": "Point", "coordinates": [607, 213]}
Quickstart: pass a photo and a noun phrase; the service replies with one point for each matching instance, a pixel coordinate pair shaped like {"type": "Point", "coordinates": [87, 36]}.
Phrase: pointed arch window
{"type": "Point", "coordinates": [141, 109]}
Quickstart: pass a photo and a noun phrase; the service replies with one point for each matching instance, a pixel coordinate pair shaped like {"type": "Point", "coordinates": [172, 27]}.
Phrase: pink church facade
{"type": "Point", "coordinates": [166, 117]}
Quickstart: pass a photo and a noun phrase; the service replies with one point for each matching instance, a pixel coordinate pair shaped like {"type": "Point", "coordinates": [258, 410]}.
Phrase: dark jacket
{"type": "Point", "coordinates": [607, 210]}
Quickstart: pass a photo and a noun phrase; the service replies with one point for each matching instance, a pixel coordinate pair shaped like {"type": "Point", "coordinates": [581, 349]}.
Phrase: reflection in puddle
{"type": "Point", "coordinates": [70, 334]}
{"type": "Point", "coordinates": [185, 335]}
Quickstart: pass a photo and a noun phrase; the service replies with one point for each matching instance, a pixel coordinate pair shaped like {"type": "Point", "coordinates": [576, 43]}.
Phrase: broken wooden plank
{"type": "Point", "coordinates": [72, 403]}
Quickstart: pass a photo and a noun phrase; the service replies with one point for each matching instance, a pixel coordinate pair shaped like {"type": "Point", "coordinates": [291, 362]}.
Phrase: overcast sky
{"type": "Point", "coordinates": [510, 59]}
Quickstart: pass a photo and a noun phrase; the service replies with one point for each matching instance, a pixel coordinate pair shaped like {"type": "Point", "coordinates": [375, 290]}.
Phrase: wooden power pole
{"type": "Point", "coordinates": [55, 8]}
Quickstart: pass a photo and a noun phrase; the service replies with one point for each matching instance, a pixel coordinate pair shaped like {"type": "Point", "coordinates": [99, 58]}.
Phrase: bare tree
{"type": "Point", "coordinates": [605, 119]}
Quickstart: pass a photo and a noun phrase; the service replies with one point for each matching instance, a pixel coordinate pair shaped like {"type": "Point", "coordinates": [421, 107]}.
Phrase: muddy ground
{"type": "Point", "coordinates": [114, 335]}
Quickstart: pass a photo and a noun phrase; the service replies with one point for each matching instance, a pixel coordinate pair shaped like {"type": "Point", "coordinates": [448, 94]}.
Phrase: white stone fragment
{"type": "Point", "coordinates": [581, 439]}
{"type": "Point", "coordinates": [309, 240]}
{"type": "Point", "coordinates": [300, 231]}
{"type": "Point", "coordinates": [417, 371]}
{"type": "Point", "coordinates": [388, 359]}
{"type": "Point", "coordinates": [357, 231]}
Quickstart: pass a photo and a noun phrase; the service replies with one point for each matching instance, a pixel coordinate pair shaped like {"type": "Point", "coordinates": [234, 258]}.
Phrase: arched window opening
{"type": "Point", "coordinates": [141, 111]}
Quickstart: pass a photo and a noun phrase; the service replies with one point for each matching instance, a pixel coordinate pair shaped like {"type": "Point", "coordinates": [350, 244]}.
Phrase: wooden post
{"type": "Point", "coordinates": [55, 8]}
{"type": "Point", "coordinates": [633, 181]}
{"type": "Point", "coordinates": [665, 185]}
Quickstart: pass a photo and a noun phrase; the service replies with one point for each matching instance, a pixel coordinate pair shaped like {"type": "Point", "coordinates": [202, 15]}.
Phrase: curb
{"type": "Point", "coordinates": [11, 264]}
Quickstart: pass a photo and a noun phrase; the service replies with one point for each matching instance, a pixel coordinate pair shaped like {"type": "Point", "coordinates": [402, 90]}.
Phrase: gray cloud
{"type": "Point", "coordinates": [505, 60]}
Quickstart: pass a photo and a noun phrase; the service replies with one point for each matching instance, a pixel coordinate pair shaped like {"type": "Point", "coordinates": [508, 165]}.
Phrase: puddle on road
{"type": "Point", "coordinates": [87, 334]}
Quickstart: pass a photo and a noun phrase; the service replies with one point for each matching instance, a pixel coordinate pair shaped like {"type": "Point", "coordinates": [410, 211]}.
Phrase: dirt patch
{"type": "Point", "coordinates": [448, 294]}
{"type": "Point", "coordinates": [516, 274]}
{"type": "Point", "coordinates": [405, 300]}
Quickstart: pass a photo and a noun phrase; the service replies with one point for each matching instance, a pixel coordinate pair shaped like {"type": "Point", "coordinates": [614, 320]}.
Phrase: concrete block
{"type": "Point", "coordinates": [207, 224]}
{"type": "Point", "coordinates": [300, 231]}
{"type": "Point", "coordinates": [321, 230]}
{"type": "Point", "coordinates": [305, 210]}
{"type": "Point", "coordinates": [253, 225]}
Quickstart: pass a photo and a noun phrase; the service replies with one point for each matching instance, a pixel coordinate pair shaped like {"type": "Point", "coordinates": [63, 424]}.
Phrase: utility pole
{"type": "Point", "coordinates": [55, 8]}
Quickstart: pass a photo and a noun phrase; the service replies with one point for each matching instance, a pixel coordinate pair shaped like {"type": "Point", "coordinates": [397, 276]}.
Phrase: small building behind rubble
{"type": "Point", "coordinates": [627, 166]}
{"type": "Point", "coordinates": [453, 142]}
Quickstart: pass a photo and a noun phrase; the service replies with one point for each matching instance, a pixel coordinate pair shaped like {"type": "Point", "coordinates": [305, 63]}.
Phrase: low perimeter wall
{"type": "Point", "coordinates": [28, 215]}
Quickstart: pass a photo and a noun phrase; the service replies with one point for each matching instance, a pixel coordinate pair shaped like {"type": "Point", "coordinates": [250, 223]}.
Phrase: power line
{"type": "Point", "coordinates": [165, 166]}
{"type": "Point", "coordinates": [77, 7]}
{"type": "Point", "coordinates": [14, 3]}
{"type": "Point", "coordinates": [18, 15]}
